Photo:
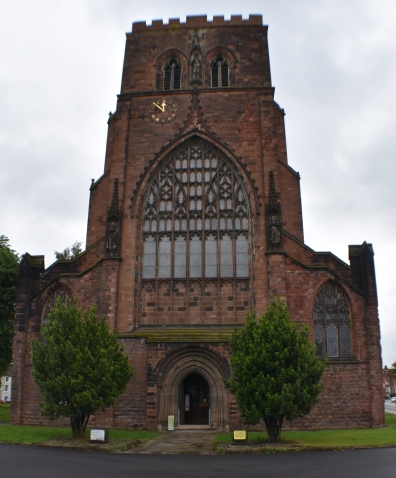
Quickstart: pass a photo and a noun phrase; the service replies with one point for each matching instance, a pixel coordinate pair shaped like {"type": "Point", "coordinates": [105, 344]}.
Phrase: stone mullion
{"type": "Point", "coordinates": [172, 232]}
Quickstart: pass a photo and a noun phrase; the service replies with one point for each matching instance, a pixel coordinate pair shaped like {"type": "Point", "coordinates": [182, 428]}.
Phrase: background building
{"type": "Point", "coordinates": [5, 388]}
{"type": "Point", "coordinates": [196, 221]}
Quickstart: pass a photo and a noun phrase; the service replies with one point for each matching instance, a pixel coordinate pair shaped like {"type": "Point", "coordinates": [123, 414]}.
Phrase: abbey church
{"type": "Point", "coordinates": [196, 221]}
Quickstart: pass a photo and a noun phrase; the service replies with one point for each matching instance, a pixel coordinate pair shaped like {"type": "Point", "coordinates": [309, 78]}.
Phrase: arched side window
{"type": "Point", "coordinates": [195, 218]}
{"type": "Point", "coordinates": [220, 73]}
{"type": "Point", "coordinates": [51, 303]}
{"type": "Point", "coordinates": [332, 323]}
{"type": "Point", "coordinates": [172, 75]}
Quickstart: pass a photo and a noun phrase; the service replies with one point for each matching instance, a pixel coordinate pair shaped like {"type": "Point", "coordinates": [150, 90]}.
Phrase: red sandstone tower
{"type": "Point", "coordinates": [196, 221]}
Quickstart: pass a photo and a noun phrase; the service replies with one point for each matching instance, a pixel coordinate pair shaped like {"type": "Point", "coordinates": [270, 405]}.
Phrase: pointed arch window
{"type": "Point", "coordinates": [220, 72]}
{"type": "Point", "coordinates": [195, 217]}
{"type": "Point", "coordinates": [51, 303]}
{"type": "Point", "coordinates": [172, 75]}
{"type": "Point", "coordinates": [332, 324]}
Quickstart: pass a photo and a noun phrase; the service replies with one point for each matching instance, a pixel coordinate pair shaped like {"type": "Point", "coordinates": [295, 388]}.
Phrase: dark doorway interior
{"type": "Point", "coordinates": [194, 395]}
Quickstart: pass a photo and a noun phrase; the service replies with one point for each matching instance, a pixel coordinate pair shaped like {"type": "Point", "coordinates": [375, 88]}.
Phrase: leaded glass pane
{"type": "Point", "coordinates": [195, 257]}
{"type": "Point", "coordinates": [164, 258]}
{"type": "Point", "coordinates": [319, 340]}
{"type": "Point", "coordinates": [345, 341]}
{"type": "Point", "coordinates": [149, 258]}
{"type": "Point", "coordinates": [226, 257]}
{"type": "Point", "coordinates": [242, 268]}
{"type": "Point", "coordinates": [332, 341]}
{"type": "Point", "coordinates": [180, 258]}
{"type": "Point", "coordinates": [211, 257]}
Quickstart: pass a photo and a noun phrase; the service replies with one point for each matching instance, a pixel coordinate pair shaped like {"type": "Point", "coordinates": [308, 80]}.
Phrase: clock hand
{"type": "Point", "coordinates": [162, 108]}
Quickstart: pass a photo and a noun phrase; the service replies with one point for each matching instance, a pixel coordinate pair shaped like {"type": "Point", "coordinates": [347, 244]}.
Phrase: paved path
{"type": "Point", "coordinates": [179, 442]}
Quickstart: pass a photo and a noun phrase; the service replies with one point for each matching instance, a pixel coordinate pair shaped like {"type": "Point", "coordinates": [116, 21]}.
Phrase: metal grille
{"type": "Point", "coordinates": [331, 320]}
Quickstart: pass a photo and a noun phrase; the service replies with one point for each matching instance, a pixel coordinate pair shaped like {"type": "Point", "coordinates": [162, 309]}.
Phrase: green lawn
{"type": "Point", "coordinates": [36, 434]}
{"type": "Point", "coordinates": [323, 438]}
{"type": "Point", "coordinates": [33, 434]}
{"type": "Point", "coordinates": [390, 419]}
{"type": "Point", "coordinates": [127, 438]}
{"type": "Point", "coordinates": [4, 412]}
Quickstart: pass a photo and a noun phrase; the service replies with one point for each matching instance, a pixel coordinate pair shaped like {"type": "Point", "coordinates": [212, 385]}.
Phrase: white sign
{"type": "Point", "coordinates": [97, 434]}
{"type": "Point", "coordinates": [187, 403]}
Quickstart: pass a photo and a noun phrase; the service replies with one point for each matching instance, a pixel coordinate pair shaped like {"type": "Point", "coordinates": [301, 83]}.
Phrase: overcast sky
{"type": "Point", "coordinates": [333, 65]}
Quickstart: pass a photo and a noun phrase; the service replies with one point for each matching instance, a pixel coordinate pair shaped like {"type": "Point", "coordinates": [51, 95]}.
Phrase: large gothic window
{"type": "Point", "coordinates": [332, 323]}
{"type": "Point", "coordinates": [195, 218]}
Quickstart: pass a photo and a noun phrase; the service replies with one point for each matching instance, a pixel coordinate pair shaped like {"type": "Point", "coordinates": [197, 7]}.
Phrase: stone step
{"type": "Point", "coordinates": [193, 427]}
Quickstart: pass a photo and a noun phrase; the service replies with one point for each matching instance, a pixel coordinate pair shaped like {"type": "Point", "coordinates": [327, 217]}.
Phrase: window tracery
{"type": "Point", "coordinates": [195, 218]}
{"type": "Point", "coordinates": [172, 75]}
{"type": "Point", "coordinates": [331, 320]}
{"type": "Point", "coordinates": [51, 303]}
{"type": "Point", "coordinates": [220, 72]}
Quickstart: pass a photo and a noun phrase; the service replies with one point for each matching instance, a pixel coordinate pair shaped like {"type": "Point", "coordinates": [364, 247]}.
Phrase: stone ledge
{"type": "Point", "coordinates": [166, 335]}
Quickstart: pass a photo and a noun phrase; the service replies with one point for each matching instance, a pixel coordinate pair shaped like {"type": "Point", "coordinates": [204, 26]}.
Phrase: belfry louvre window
{"type": "Point", "coordinates": [172, 75]}
{"type": "Point", "coordinates": [196, 218]}
{"type": "Point", "coordinates": [220, 73]}
{"type": "Point", "coordinates": [331, 321]}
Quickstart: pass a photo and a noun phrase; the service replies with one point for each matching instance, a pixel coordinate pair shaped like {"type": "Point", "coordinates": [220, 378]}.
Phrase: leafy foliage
{"type": "Point", "coordinates": [275, 373]}
{"type": "Point", "coordinates": [69, 253]}
{"type": "Point", "coordinates": [79, 366]}
{"type": "Point", "coordinates": [9, 263]}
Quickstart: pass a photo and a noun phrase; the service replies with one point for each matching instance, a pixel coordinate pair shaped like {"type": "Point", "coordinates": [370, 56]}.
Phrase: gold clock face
{"type": "Point", "coordinates": [163, 111]}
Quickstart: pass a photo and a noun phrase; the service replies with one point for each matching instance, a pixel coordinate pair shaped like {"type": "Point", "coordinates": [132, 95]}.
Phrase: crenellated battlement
{"type": "Point", "coordinates": [198, 21]}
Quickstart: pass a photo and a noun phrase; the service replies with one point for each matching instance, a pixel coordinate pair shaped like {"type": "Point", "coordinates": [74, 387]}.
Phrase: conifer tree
{"type": "Point", "coordinates": [275, 373]}
{"type": "Point", "coordinates": [9, 263]}
{"type": "Point", "coordinates": [79, 365]}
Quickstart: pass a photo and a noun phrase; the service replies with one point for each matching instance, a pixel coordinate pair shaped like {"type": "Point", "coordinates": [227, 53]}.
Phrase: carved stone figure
{"type": "Point", "coordinates": [196, 67]}
{"type": "Point", "coordinates": [195, 41]}
{"type": "Point", "coordinates": [112, 237]}
{"type": "Point", "coordinates": [275, 233]}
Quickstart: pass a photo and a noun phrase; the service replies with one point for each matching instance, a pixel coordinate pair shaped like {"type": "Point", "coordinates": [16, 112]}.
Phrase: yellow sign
{"type": "Point", "coordinates": [171, 422]}
{"type": "Point", "coordinates": [239, 434]}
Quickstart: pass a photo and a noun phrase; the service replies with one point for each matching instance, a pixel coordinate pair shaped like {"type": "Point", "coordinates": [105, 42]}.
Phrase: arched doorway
{"type": "Point", "coordinates": [183, 367]}
{"type": "Point", "coordinates": [194, 400]}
